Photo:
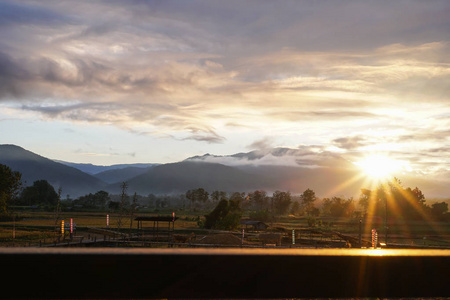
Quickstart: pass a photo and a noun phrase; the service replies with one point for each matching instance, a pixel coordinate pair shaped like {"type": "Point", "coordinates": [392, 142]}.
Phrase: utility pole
{"type": "Point", "coordinates": [360, 233]}
{"type": "Point", "coordinates": [123, 197]}
{"type": "Point", "coordinates": [132, 210]}
{"type": "Point", "coordinates": [58, 209]}
{"type": "Point", "coordinates": [273, 216]}
{"type": "Point", "coordinates": [385, 221]}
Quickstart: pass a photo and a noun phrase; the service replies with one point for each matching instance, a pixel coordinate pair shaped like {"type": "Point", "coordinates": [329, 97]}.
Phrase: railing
{"type": "Point", "coordinates": [110, 273]}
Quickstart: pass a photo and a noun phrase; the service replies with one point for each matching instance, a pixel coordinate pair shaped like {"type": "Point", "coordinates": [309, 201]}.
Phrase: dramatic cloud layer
{"type": "Point", "coordinates": [187, 77]}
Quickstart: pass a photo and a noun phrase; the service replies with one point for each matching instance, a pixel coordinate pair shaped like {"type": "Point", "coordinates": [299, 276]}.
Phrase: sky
{"type": "Point", "coordinates": [108, 82]}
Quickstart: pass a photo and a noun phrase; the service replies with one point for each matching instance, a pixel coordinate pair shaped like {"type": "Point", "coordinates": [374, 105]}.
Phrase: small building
{"type": "Point", "coordinates": [164, 232]}
{"type": "Point", "coordinates": [254, 225]}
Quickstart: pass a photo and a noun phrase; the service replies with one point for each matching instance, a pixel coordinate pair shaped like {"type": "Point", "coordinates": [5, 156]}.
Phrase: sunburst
{"type": "Point", "coordinates": [379, 167]}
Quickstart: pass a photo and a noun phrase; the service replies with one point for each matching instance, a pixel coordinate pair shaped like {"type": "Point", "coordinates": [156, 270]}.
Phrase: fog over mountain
{"type": "Point", "coordinates": [182, 176]}
{"type": "Point", "coordinates": [309, 87]}
{"type": "Point", "coordinates": [294, 170]}
{"type": "Point", "coordinates": [327, 173]}
{"type": "Point", "coordinates": [285, 169]}
{"type": "Point", "coordinates": [303, 156]}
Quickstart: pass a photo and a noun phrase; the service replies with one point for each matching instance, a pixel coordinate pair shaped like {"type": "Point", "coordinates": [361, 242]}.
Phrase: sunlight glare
{"type": "Point", "coordinates": [379, 166]}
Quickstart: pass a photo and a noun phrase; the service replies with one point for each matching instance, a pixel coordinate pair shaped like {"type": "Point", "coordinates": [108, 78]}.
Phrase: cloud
{"type": "Point", "coordinates": [302, 156]}
{"type": "Point", "coordinates": [16, 13]}
{"type": "Point", "coordinates": [262, 145]}
{"type": "Point", "coordinates": [84, 153]}
{"type": "Point", "coordinates": [341, 74]}
{"type": "Point", "coordinates": [326, 115]}
{"type": "Point", "coordinates": [350, 143]}
{"type": "Point", "coordinates": [425, 135]}
{"type": "Point", "coordinates": [210, 137]}
{"type": "Point", "coordinates": [440, 150]}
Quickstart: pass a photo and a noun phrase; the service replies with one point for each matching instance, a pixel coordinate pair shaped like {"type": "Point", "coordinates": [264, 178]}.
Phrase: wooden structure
{"type": "Point", "coordinates": [157, 231]}
{"type": "Point", "coordinates": [255, 225]}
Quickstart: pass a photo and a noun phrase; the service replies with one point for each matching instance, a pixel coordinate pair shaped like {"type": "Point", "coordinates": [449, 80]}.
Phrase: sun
{"type": "Point", "coordinates": [379, 167]}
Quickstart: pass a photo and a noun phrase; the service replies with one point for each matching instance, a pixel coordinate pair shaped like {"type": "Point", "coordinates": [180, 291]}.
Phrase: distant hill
{"type": "Point", "coordinates": [328, 174]}
{"type": "Point", "coordinates": [326, 182]}
{"type": "Point", "coordinates": [120, 175]}
{"type": "Point", "coordinates": [182, 176]}
{"type": "Point", "coordinates": [96, 169]}
{"type": "Point", "coordinates": [284, 169]}
{"type": "Point", "coordinates": [34, 167]}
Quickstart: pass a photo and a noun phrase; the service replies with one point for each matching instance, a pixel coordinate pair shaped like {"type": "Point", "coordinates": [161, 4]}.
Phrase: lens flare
{"type": "Point", "coordinates": [380, 167]}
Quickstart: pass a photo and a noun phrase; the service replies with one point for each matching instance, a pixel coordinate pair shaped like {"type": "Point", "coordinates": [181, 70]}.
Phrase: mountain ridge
{"type": "Point", "coordinates": [120, 174]}
{"type": "Point", "coordinates": [34, 167]}
{"type": "Point", "coordinates": [285, 169]}
{"type": "Point", "coordinates": [182, 176]}
{"type": "Point", "coordinates": [97, 169]}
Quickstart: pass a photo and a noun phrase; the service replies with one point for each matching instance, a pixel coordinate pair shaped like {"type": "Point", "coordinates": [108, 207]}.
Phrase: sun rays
{"type": "Point", "coordinates": [380, 167]}
{"type": "Point", "coordinates": [385, 203]}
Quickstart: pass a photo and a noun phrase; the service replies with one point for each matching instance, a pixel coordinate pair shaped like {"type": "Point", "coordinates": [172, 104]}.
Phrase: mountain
{"type": "Point", "coordinates": [303, 157]}
{"type": "Point", "coordinates": [327, 173]}
{"type": "Point", "coordinates": [326, 182]}
{"type": "Point", "coordinates": [182, 176]}
{"type": "Point", "coordinates": [294, 170]}
{"type": "Point", "coordinates": [96, 169]}
{"type": "Point", "coordinates": [284, 169]}
{"type": "Point", "coordinates": [120, 175]}
{"type": "Point", "coordinates": [34, 167]}
{"type": "Point", "coordinates": [185, 175]}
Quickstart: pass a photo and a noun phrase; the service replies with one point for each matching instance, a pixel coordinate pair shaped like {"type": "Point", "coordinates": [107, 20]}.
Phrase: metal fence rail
{"type": "Point", "coordinates": [110, 273]}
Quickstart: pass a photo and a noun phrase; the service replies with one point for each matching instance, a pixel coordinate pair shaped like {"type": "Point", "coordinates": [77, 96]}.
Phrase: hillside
{"type": "Point", "coordinates": [96, 169]}
{"type": "Point", "coordinates": [280, 169]}
{"type": "Point", "coordinates": [120, 175]}
{"type": "Point", "coordinates": [34, 167]}
{"type": "Point", "coordinates": [182, 176]}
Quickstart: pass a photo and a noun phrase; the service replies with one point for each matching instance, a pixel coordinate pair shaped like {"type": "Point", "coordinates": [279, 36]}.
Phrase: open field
{"type": "Point", "coordinates": [35, 227]}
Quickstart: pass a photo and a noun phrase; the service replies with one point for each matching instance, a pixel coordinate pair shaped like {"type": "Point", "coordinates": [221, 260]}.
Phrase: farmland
{"type": "Point", "coordinates": [34, 228]}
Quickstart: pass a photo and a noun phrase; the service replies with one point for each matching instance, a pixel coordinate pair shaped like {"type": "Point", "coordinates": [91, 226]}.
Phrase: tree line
{"type": "Point", "coordinates": [390, 199]}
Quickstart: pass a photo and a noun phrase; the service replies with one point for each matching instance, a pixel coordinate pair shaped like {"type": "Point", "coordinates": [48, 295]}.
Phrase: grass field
{"type": "Point", "coordinates": [36, 226]}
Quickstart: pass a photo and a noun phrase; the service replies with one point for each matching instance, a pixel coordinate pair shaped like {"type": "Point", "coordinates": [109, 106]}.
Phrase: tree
{"type": "Point", "coordinates": [151, 199]}
{"type": "Point", "coordinates": [419, 196]}
{"type": "Point", "coordinates": [308, 197]}
{"type": "Point", "coordinates": [58, 208]}
{"type": "Point", "coordinates": [197, 195]}
{"type": "Point", "coordinates": [338, 207]}
{"type": "Point", "coordinates": [10, 185]}
{"type": "Point", "coordinates": [226, 216]}
{"type": "Point", "coordinates": [101, 198]}
{"type": "Point", "coordinates": [260, 215]}
{"type": "Point", "coordinates": [364, 199]}
{"type": "Point", "coordinates": [123, 202]}
{"type": "Point", "coordinates": [391, 199]}
{"type": "Point", "coordinates": [133, 210]}
{"type": "Point", "coordinates": [258, 199]}
{"type": "Point", "coordinates": [114, 205]}
{"type": "Point", "coordinates": [218, 195]}
{"type": "Point", "coordinates": [41, 192]}
{"type": "Point", "coordinates": [236, 200]}
{"type": "Point", "coordinates": [295, 209]}
{"type": "Point", "coordinates": [439, 210]}
{"type": "Point", "coordinates": [97, 200]}
{"type": "Point", "coordinates": [281, 202]}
